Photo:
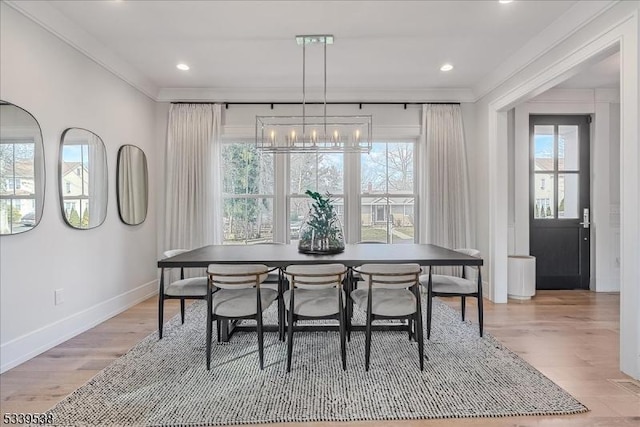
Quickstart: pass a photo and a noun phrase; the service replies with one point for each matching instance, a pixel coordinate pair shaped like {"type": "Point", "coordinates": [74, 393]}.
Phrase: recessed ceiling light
{"type": "Point", "coordinates": [446, 67]}
{"type": "Point", "coordinates": [505, 1]}
{"type": "Point", "coordinates": [183, 67]}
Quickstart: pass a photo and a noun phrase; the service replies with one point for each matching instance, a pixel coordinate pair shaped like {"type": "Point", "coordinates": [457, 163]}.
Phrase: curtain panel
{"type": "Point", "coordinates": [193, 214]}
{"type": "Point", "coordinates": [444, 203]}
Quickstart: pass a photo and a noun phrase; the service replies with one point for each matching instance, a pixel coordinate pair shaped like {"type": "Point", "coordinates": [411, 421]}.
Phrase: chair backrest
{"type": "Point", "coordinates": [470, 272]}
{"type": "Point", "coordinates": [234, 276]}
{"type": "Point", "coordinates": [390, 276]}
{"type": "Point", "coordinates": [315, 276]}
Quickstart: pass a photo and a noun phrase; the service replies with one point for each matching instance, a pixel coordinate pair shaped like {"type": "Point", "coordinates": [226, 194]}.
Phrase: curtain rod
{"type": "Point", "coordinates": [226, 104]}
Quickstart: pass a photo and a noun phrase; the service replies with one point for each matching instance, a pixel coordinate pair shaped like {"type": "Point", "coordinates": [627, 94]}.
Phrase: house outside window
{"type": "Point", "coordinates": [75, 181]}
{"type": "Point", "coordinates": [17, 181]}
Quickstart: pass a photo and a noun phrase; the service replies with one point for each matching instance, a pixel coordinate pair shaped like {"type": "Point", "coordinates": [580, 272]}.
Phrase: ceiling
{"type": "Point", "coordinates": [245, 49]}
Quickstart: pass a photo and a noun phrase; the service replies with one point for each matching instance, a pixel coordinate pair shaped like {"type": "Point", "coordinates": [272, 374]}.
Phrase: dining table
{"type": "Point", "coordinates": [281, 256]}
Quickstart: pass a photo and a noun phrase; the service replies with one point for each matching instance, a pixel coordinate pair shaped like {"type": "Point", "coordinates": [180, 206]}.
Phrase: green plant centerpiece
{"type": "Point", "coordinates": [321, 232]}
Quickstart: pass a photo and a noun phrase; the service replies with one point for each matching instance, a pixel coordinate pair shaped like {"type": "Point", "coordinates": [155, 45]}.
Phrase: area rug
{"type": "Point", "coordinates": [165, 382]}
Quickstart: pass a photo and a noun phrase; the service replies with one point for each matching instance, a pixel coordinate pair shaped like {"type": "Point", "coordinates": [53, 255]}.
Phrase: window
{"type": "Point", "coordinates": [388, 193]}
{"type": "Point", "coordinates": [556, 171]}
{"type": "Point", "coordinates": [264, 194]}
{"type": "Point", "coordinates": [321, 172]}
{"type": "Point", "coordinates": [248, 196]}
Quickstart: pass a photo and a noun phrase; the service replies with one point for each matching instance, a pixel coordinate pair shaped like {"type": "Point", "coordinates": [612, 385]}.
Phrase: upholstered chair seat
{"type": "Point", "coordinates": [241, 302]}
{"type": "Point", "coordinates": [386, 302]}
{"type": "Point", "coordinates": [195, 286]}
{"type": "Point", "coordinates": [315, 303]}
{"type": "Point", "coordinates": [450, 284]}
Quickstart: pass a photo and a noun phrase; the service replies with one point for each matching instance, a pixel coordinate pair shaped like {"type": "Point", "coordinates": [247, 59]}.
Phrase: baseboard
{"type": "Point", "coordinates": [607, 284]}
{"type": "Point", "coordinates": [21, 349]}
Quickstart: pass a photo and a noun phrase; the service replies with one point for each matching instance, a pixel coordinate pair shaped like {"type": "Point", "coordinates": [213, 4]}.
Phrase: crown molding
{"type": "Point", "coordinates": [49, 18]}
{"type": "Point", "coordinates": [559, 30]}
{"type": "Point", "coordinates": [336, 95]}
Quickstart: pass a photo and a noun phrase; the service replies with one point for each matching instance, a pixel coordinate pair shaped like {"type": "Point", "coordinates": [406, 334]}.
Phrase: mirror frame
{"type": "Point", "coordinates": [146, 170]}
{"type": "Point", "coordinates": [60, 195]}
{"type": "Point", "coordinates": [44, 168]}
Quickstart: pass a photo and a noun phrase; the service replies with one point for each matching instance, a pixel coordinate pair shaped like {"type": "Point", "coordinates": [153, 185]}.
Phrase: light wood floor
{"type": "Point", "coordinates": [570, 336]}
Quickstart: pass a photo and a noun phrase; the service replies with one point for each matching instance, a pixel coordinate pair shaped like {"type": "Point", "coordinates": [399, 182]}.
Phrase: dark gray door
{"type": "Point", "coordinates": [559, 201]}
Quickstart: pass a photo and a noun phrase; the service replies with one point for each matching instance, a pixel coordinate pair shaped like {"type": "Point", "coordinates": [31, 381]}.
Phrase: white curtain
{"type": "Point", "coordinates": [443, 178]}
{"type": "Point", "coordinates": [133, 182]}
{"type": "Point", "coordinates": [193, 214]}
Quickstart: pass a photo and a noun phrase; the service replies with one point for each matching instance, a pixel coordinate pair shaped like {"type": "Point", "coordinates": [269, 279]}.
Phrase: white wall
{"type": "Point", "coordinates": [617, 28]}
{"type": "Point", "coordinates": [102, 271]}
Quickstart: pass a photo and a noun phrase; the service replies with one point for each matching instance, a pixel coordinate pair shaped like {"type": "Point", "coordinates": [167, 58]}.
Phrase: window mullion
{"type": "Point", "coordinates": [281, 200]}
{"type": "Point", "coordinates": [352, 198]}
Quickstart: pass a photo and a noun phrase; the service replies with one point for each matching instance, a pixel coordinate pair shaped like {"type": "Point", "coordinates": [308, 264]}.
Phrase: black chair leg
{"type": "Point", "coordinates": [418, 327]}
{"type": "Point", "coordinates": [209, 333]}
{"type": "Point", "coordinates": [367, 354]}
{"type": "Point", "coordinates": [409, 327]}
{"type": "Point", "coordinates": [464, 304]}
{"type": "Point", "coordinates": [218, 329]}
{"type": "Point", "coordinates": [182, 310]}
{"type": "Point", "coordinates": [480, 316]}
{"type": "Point", "coordinates": [160, 315]}
{"type": "Point", "coordinates": [420, 337]}
{"type": "Point", "coordinates": [348, 316]}
{"type": "Point", "coordinates": [429, 308]}
{"type": "Point", "coordinates": [289, 340]}
{"type": "Point", "coordinates": [343, 339]}
{"type": "Point", "coordinates": [260, 340]}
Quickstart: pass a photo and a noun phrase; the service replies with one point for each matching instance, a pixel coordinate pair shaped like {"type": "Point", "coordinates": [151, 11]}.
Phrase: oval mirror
{"type": "Point", "coordinates": [21, 170]}
{"type": "Point", "coordinates": [132, 185]}
{"type": "Point", "coordinates": [83, 178]}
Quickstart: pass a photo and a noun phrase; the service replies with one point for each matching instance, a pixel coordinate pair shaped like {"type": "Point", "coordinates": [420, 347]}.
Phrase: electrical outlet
{"type": "Point", "coordinates": [58, 296]}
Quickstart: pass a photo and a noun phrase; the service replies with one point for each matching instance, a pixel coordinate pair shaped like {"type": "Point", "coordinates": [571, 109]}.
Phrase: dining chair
{"type": "Point", "coordinates": [354, 281]}
{"type": "Point", "coordinates": [235, 293]}
{"type": "Point", "coordinates": [276, 282]}
{"type": "Point", "coordinates": [315, 292]}
{"type": "Point", "coordinates": [182, 289]}
{"type": "Point", "coordinates": [468, 284]}
{"type": "Point", "coordinates": [391, 291]}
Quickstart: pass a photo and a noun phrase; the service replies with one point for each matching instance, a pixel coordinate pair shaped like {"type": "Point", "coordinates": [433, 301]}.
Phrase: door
{"type": "Point", "coordinates": [559, 201]}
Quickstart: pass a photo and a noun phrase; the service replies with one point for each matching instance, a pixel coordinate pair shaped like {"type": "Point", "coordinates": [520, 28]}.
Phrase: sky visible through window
{"type": "Point", "coordinates": [544, 146]}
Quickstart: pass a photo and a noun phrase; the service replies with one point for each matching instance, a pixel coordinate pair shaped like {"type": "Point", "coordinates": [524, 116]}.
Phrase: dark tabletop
{"type": "Point", "coordinates": [284, 255]}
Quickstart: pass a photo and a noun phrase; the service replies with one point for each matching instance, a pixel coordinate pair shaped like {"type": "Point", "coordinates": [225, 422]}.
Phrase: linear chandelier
{"type": "Point", "coordinates": [301, 134]}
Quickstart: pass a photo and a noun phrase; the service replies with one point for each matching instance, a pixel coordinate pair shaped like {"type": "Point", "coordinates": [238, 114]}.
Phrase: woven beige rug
{"type": "Point", "coordinates": [165, 382]}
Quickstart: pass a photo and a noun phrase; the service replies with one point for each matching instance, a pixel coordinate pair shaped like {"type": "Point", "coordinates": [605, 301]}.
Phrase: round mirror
{"type": "Point", "coordinates": [133, 185]}
{"type": "Point", "coordinates": [21, 170]}
{"type": "Point", "coordinates": [83, 179]}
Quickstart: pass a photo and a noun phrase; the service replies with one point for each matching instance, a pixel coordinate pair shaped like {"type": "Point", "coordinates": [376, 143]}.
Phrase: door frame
{"type": "Point", "coordinates": [623, 35]}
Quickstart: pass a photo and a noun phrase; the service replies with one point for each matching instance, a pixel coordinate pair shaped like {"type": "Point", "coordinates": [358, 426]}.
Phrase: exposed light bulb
{"type": "Point", "coordinates": [446, 67]}
{"type": "Point", "coordinates": [183, 67]}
